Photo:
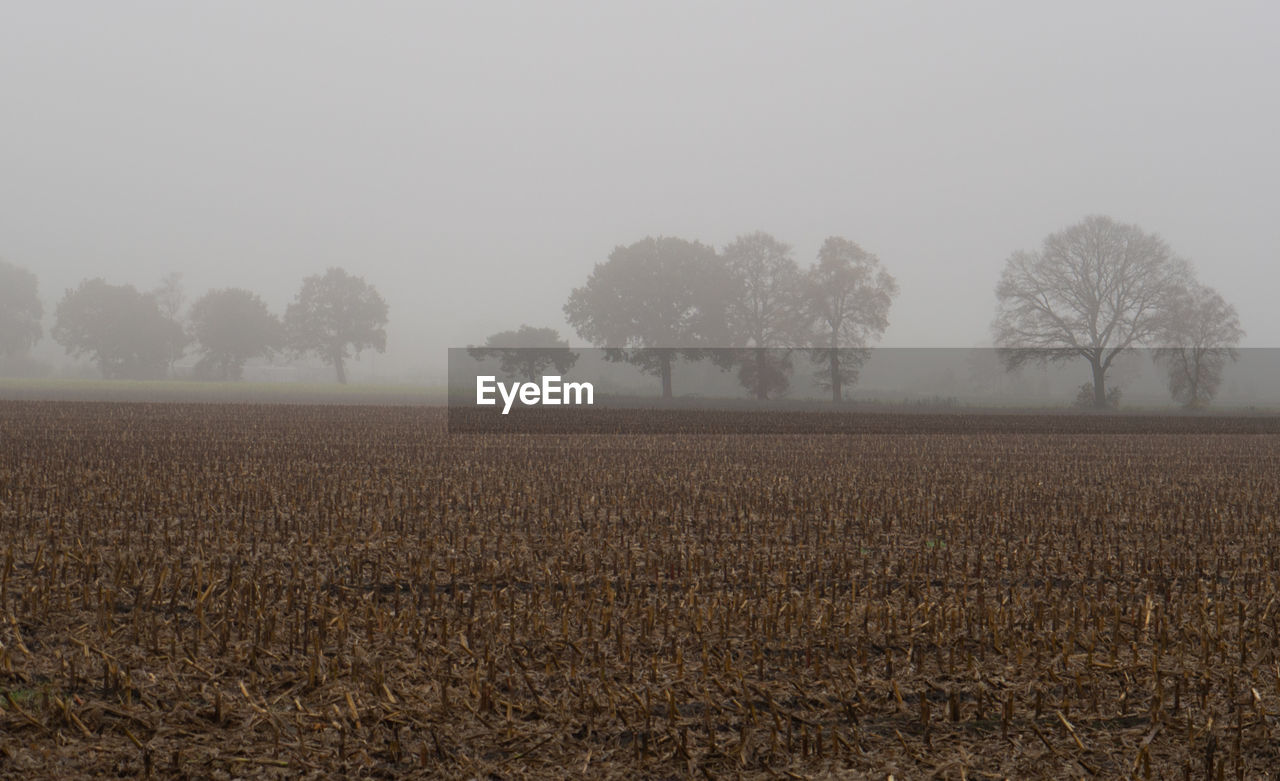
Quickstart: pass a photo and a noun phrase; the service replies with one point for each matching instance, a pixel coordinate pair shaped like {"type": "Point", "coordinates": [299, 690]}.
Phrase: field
{"type": "Point", "coordinates": [230, 590]}
{"type": "Point", "coordinates": [186, 391]}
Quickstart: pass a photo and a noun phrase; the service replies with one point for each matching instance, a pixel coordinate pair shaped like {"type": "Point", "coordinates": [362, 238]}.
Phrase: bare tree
{"type": "Point", "coordinates": [1093, 290]}
{"type": "Point", "coordinates": [1201, 333]}
{"type": "Point", "coordinates": [169, 298]}
{"type": "Point", "coordinates": [169, 295]}
{"type": "Point", "coordinates": [846, 295]}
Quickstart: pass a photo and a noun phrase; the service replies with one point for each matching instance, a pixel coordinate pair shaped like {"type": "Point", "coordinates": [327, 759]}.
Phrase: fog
{"type": "Point", "coordinates": [473, 161]}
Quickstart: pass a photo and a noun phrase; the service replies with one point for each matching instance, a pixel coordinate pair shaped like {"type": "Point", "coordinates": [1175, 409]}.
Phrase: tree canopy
{"type": "Point", "coordinates": [231, 326]}
{"type": "Point", "coordinates": [652, 301]}
{"type": "Point", "coordinates": [336, 316]}
{"type": "Point", "coordinates": [1093, 290]}
{"type": "Point", "coordinates": [1200, 336]}
{"type": "Point", "coordinates": [122, 329]}
{"type": "Point", "coordinates": [20, 310]}
{"type": "Point", "coordinates": [764, 311]}
{"type": "Point", "coordinates": [845, 297]}
{"type": "Point", "coordinates": [527, 353]}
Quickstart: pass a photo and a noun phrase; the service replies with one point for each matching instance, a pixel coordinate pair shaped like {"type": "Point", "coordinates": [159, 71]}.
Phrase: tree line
{"type": "Point", "coordinates": [1092, 291]}
{"type": "Point", "coordinates": [132, 334]}
{"type": "Point", "coordinates": [749, 308]}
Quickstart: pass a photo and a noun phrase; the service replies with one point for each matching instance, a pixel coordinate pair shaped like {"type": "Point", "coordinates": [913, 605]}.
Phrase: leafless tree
{"type": "Point", "coordinates": [846, 295]}
{"type": "Point", "coordinates": [170, 298]}
{"type": "Point", "coordinates": [1093, 290]}
{"type": "Point", "coordinates": [1201, 333]}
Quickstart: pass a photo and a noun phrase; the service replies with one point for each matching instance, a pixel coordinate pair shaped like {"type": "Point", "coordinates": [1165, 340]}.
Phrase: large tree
{"type": "Point", "coordinates": [122, 329]}
{"type": "Point", "coordinates": [1201, 333]}
{"type": "Point", "coordinates": [846, 297]}
{"type": "Point", "coordinates": [231, 326]}
{"type": "Point", "coordinates": [764, 312]}
{"type": "Point", "coordinates": [1093, 290]}
{"type": "Point", "coordinates": [20, 310]}
{"type": "Point", "coordinates": [651, 302]}
{"type": "Point", "coordinates": [336, 315]}
{"type": "Point", "coordinates": [527, 353]}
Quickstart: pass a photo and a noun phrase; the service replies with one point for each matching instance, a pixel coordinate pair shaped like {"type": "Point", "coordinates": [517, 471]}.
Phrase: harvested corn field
{"type": "Point", "coordinates": [271, 590]}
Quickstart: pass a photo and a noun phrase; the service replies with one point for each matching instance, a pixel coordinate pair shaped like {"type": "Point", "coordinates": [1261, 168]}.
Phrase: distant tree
{"type": "Point", "coordinates": [527, 353]}
{"type": "Point", "coordinates": [652, 302]}
{"type": "Point", "coordinates": [1094, 290]}
{"type": "Point", "coordinates": [231, 326]}
{"type": "Point", "coordinates": [846, 297]}
{"type": "Point", "coordinates": [336, 315]}
{"type": "Point", "coordinates": [20, 310]}
{"type": "Point", "coordinates": [170, 297]}
{"type": "Point", "coordinates": [764, 312]}
{"type": "Point", "coordinates": [1201, 333]}
{"type": "Point", "coordinates": [122, 329]}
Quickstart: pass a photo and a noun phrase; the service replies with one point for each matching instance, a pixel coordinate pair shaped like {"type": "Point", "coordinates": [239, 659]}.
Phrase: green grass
{"type": "Point", "coordinates": [22, 695]}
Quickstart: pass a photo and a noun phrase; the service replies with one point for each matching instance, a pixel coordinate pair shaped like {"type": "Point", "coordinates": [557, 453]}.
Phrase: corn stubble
{"type": "Point", "coordinates": [240, 590]}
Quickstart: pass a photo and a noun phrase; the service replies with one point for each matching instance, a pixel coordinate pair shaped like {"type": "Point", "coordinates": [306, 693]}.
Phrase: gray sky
{"type": "Point", "coordinates": [474, 160]}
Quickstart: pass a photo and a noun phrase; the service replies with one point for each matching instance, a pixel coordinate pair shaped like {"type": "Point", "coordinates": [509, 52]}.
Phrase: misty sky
{"type": "Point", "coordinates": [473, 160]}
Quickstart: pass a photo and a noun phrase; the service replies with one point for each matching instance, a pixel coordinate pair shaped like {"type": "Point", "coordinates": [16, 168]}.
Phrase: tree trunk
{"type": "Point", "coordinates": [666, 375]}
{"type": "Point", "coordinates": [835, 376]}
{"type": "Point", "coordinates": [1099, 384]}
{"type": "Point", "coordinates": [342, 371]}
{"type": "Point", "coordinates": [1194, 401]}
{"type": "Point", "coordinates": [762, 389]}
